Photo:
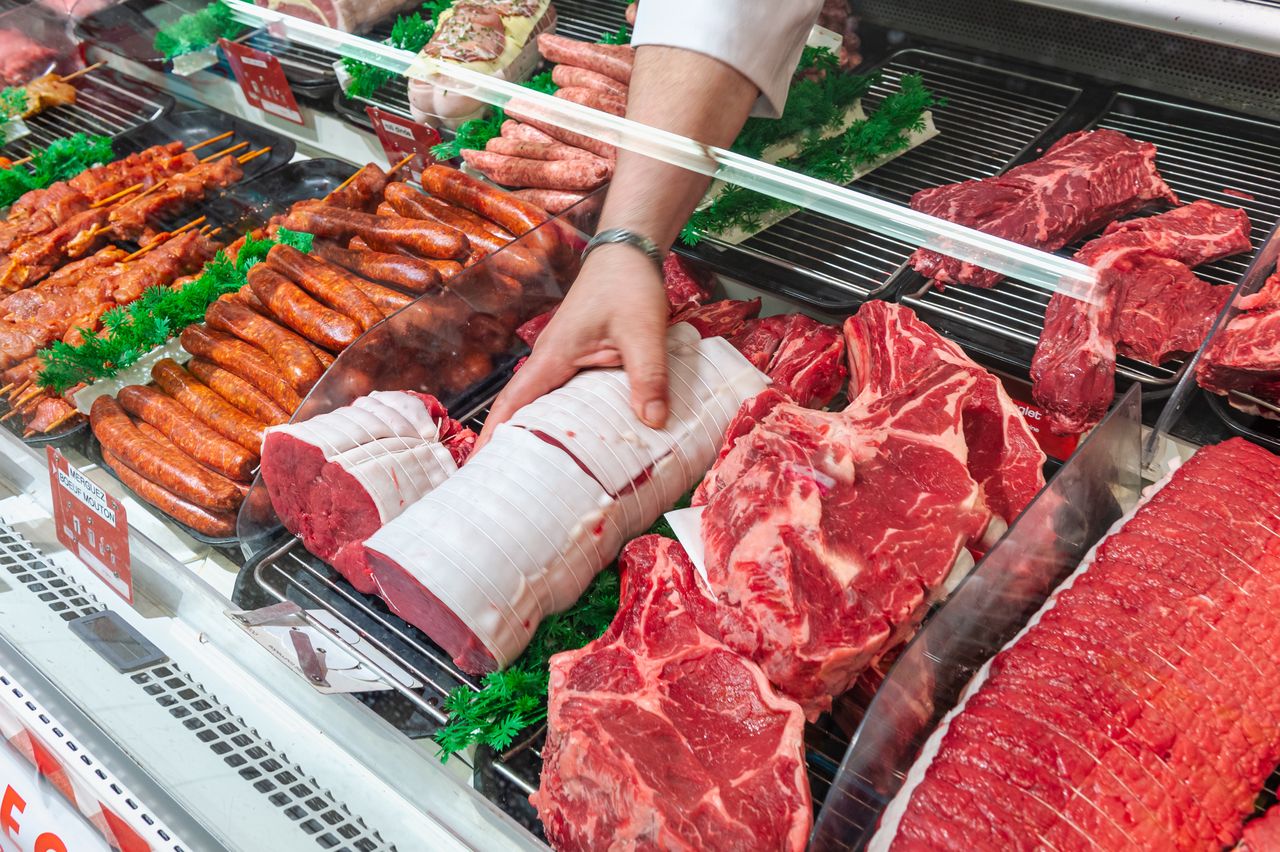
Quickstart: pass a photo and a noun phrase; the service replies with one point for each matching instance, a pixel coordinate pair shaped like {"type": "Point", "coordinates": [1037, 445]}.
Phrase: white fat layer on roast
{"type": "Point", "coordinates": [387, 441]}
{"type": "Point", "coordinates": [897, 807]}
{"type": "Point", "coordinates": [524, 526]}
{"type": "Point", "coordinates": [516, 534]}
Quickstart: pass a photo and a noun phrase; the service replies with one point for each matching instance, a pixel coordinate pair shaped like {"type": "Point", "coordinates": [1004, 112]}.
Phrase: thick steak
{"type": "Point", "coordinates": [660, 737]}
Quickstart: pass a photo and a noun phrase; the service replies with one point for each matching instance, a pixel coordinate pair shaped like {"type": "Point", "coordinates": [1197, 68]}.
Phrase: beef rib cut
{"type": "Point", "coordinates": [661, 737]}
{"type": "Point", "coordinates": [827, 534]}
{"type": "Point", "coordinates": [1244, 355]}
{"type": "Point", "coordinates": [1085, 180]}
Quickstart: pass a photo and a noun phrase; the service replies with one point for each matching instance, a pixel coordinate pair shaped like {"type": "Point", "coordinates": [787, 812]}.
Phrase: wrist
{"type": "Point", "coordinates": [630, 240]}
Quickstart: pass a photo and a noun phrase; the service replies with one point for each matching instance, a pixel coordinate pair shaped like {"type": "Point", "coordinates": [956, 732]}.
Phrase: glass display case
{"type": "Point", "coordinates": [997, 273]}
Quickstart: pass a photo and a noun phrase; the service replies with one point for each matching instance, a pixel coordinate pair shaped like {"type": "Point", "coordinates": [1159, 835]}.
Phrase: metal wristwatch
{"type": "Point", "coordinates": [631, 238]}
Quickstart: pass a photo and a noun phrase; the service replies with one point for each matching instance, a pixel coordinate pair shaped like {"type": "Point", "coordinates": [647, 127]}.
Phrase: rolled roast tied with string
{"type": "Point", "coordinates": [338, 477]}
{"type": "Point", "coordinates": [523, 527]}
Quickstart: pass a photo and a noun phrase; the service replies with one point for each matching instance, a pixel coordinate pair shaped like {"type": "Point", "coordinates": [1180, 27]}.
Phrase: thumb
{"type": "Point", "coordinates": [644, 356]}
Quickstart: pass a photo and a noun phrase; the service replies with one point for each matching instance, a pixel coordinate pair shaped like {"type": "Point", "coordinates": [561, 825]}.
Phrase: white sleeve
{"type": "Point", "coordinates": [761, 39]}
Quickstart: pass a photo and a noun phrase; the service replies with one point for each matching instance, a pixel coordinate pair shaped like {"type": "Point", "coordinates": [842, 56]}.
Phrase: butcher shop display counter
{"type": "Point", "coordinates": [943, 544]}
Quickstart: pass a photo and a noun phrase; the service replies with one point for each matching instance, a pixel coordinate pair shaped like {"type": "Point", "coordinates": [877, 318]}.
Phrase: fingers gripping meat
{"type": "Point", "coordinates": [156, 463]}
{"type": "Point", "coordinates": [235, 390]}
{"type": "Point", "coordinates": [333, 285]}
{"type": "Point", "coordinates": [291, 353]}
{"type": "Point", "coordinates": [384, 233]}
{"type": "Point", "coordinates": [293, 307]}
{"type": "Point", "coordinates": [238, 357]}
{"type": "Point", "coordinates": [398, 270]}
{"type": "Point", "coordinates": [210, 522]}
{"type": "Point", "coordinates": [187, 432]}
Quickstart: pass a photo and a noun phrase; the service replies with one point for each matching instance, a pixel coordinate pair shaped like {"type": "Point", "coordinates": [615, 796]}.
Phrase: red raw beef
{"type": "Point", "coordinates": [803, 357]}
{"type": "Point", "coordinates": [1149, 303]}
{"type": "Point", "coordinates": [724, 318]}
{"type": "Point", "coordinates": [22, 59]}
{"type": "Point", "coordinates": [827, 533]}
{"type": "Point", "coordinates": [532, 329]}
{"type": "Point", "coordinates": [1102, 727]}
{"type": "Point", "coordinates": [1084, 181]}
{"type": "Point", "coordinates": [1245, 353]}
{"type": "Point", "coordinates": [758, 339]}
{"type": "Point", "coordinates": [686, 285]}
{"type": "Point", "coordinates": [661, 737]}
{"type": "Point", "coordinates": [1263, 833]}
{"type": "Point", "coordinates": [335, 479]}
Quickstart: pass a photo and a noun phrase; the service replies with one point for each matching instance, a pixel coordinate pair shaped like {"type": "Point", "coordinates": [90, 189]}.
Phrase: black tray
{"type": "Point", "coordinates": [65, 435]}
{"type": "Point", "coordinates": [93, 452]}
{"type": "Point", "coordinates": [249, 203]}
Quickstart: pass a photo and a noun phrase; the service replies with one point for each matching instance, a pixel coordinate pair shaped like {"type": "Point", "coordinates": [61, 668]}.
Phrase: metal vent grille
{"type": "Point", "coordinates": [103, 106]}
{"type": "Point", "coordinates": [280, 781]}
{"type": "Point", "coordinates": [992, 115]}
{"type": "Point", "coordinates": [1201, 154]}
{"type": "Point", "coordinates": [1215, 74]}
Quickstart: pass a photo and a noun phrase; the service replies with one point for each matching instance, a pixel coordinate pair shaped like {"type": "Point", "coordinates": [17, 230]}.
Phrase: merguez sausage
{"type": "Point", "coordinates": [208, 406]}
{"type": "Point", "coordinates": [156, 435]}
{"type": "Point", "coordinates": [291, 353]}
{"type": "Point", "coordinates": [568, 137]}
{"type": "Point", "coordinates": [293, 307]}
{"type": "Point", "coordinates": [333, 285]}
{"type": "Point", "coordinates": [573, 174]}
{"type": "Point", "coordinates": [512, 129]}
{"type": "Point", "coordinates": [602, 101]}
{"type": "Point", "coordinates": [156, 463]}
{"type": "Point", "coordinates": [385, 233]}
{"type": "Point", "coordinates": [247, 362]}
{"type": "Point", "coordinates": [210, 522]}
{"type": "Point", "coordinates": [409, 273]}
{"type": "Point", "coordinates": [571, 76]}
{"type": "Point", "coordinates": [612, 60]}
{"type": "Point", "coordinates": [187, 433]}
{"type": "Point", "coordinates": [238, 392]}
{"type": "Point", "coordinates": [516, 216]}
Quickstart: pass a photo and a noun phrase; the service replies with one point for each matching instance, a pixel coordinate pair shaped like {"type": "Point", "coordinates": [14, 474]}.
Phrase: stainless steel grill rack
{"type": "Point", "coordinates": [1202, 152]}
{"type": "Point", "coordinates": [107, 103]}
{"type": "Point", "coordinates": [993, 114]}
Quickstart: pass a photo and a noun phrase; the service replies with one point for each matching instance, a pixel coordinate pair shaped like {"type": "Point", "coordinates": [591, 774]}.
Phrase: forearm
{"type": "Point", "coordinates": [688, 94]}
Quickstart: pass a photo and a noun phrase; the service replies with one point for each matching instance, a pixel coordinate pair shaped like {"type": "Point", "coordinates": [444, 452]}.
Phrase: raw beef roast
{"type": "Point", "coordinates": [803, 357]}
{"type": "Point", "coordinates": [1245, 353]}
{"type": "Point", "coordinates": [1082, 182]}
{"type": "Point", "coordinates": [335, 479]}
{"type": "Point", "coordinates": [1141, 707]}
{"type": "Point", "coordinates": [1150, 305]}
{"type": "Point", "coordinates": [827, 534]}
{"type": "Point", "coordinates": [520, 531]}
{"type": "Point", "coordinates": [661, 737]}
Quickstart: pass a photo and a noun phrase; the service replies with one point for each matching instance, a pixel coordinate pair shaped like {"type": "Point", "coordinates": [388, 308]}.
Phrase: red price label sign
{"type": "Point", "coordinates": [91, 524]}
{"type": "Point", "coordinates": [262, 80]}
{"type": "Point", "coordinates": [402, 137]}
{"type": "Point", "coordinates": [1058, 446]}
{"type": "Point", "coordinates": [34, 817]}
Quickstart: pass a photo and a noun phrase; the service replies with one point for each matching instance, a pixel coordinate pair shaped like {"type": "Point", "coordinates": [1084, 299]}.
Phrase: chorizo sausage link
{"type": "Point", "coordinates": [241, 394]}
{"type": "Point", "coordinates": [187, 432]}
{"type": "Point", "coordinates": [289, 351]}
{"type": "Point", "coordinates": [293, 307]}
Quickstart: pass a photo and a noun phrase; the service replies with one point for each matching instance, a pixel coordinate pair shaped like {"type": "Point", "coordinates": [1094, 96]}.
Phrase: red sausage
{"type": "Point", "coordinates": [331, 284]}
{"type": "Point", "coordinates": [291, 353]}
{"type": "Point", "coordinates": [612, 60]}
{"type": "Point", "coordinates": [571, 76]}
{"type": "Point", "coordinates": [238, 392]}
{"type": "Point", "coordinates": [603, 101]}
{"type": "Point", "coordinates": [211, 522]}
{"type": "Point", "coordinates": [409, 273]}
{"type": "Point", "coordinates": [158, 464]}
{"type": "Point", "coordinates": [236, 356]}
{"type": "Point", "coordinates": [537, 150]}
{"type": "Point", "coordinates": [186, 432]}
{"type": "Point", "coordinates": [573, 174]}
{"type": "Point", "coordinates": [293, 307]}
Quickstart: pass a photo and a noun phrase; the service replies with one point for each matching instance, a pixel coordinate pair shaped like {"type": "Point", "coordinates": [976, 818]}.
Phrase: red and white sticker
{"type": "Point", "coordinates": [34, 816]}
{"type": "Point", "coordinates": [402, 137]}
{"type": "Point", "coordinates": [1057, 446]}
{"type": "Point", "coordinates": [91, 524]}
{"type": "Point", "coordinates": [262, 80]}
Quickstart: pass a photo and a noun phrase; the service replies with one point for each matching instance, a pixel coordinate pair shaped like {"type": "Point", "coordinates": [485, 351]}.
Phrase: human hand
{"type": "Point", "coordinates": [615, 315]}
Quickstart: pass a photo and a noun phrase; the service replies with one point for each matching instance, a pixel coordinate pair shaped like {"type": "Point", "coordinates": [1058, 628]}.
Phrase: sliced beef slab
{"type": "Point", "coordinates": [661, 737]}
{"type": "Point", "coordinates": [1084, 181]}
{"type": "Point", "coordinates": [335, 479]}
{"type": "Point", "coordinates": [1141, 707]}
{"type": "Point", "coordinates": [1245, 353]}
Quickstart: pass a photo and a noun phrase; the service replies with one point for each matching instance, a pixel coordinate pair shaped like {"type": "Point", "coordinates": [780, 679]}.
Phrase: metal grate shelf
{"type": "Point", "coordinates": [992, 115]}
{"type": "Point", "coordinates": [1201, 153]}
{"type": "Point", "coordinates": [106, 103]}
